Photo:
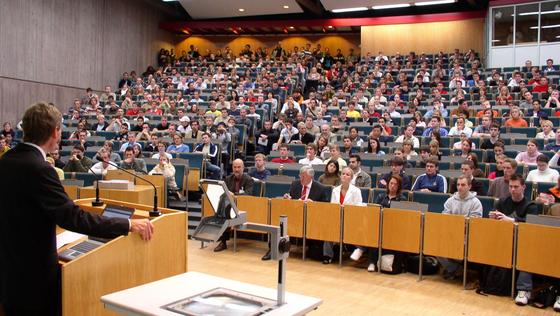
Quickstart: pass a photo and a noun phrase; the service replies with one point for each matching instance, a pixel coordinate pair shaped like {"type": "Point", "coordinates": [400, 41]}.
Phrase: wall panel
{"type": "Point", "coordinates": [236, 43]}
{"type": "Point", "coordinates": [85, 43]}
{"type": "Point", "coordinates": [423, 37]}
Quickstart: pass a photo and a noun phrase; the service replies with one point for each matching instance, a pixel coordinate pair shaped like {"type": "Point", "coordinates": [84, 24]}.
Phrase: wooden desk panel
{"type": "Point", "coordinates": [444, 235]}
{"type": "Point", "coordinates": [537, 249]}
{"type": "Point", "coordinates": [257, 208]}
{"type": "Point", "coordinates": [490, 242]}
{"type": "Point", "coordinates": [323, 221]}
{"type": "Point", "coordinates": [361, 225]}
{"type": "Point", "coordinates": [401, 230]}
{"type": "Point", "coordinates": [124, 262]}
{"type": "Point", "coordinates": [141, 194]}
{"type": "Point", "coordinates": [72, 191]}
{"type": "Point", "coordinates": [291, 208]}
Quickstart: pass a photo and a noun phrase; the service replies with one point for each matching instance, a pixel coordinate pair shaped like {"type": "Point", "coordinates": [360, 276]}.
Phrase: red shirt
{"type": "Point", "coordinates": [280, 160]}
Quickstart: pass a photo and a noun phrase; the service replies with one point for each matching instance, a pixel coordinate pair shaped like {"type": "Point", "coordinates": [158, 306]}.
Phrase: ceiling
{"type": "Point", "coordinates": [214, 9]}
{"type": "Point", "coordinates": [261, 17]}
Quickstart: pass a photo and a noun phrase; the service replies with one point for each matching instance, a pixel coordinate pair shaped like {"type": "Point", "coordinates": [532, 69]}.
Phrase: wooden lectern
{"type": "Point", "coordinates": [124, 262]}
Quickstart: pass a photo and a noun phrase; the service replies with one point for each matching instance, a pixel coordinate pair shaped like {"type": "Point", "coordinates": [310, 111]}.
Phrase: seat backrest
{"type": "Point", "coordinates": [434, 200]}
{"type": "Point", "coordinates": [276, 189]}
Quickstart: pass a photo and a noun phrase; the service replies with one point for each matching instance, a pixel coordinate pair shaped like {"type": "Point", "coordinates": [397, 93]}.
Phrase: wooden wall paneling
{"type": "Point", "coordinates": [423, 37]}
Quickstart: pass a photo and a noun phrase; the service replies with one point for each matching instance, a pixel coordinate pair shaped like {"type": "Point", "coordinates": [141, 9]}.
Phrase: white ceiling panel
{"type": "Point", "coordinates": [214, 9]}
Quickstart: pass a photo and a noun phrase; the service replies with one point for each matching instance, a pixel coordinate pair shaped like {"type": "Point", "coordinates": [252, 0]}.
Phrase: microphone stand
{"type": "Point", "coordinates": [154, 212]}
{"type": "Point", "coordinates": [97, 201]}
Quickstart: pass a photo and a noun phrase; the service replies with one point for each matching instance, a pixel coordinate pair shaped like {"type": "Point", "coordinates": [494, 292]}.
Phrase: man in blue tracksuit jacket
{"type": "Point", "coordinates": [431, 181]}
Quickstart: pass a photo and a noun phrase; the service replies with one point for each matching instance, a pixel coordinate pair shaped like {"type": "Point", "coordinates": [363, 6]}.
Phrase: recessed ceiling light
{"type": "Point", "coordinates": [434, 2]}
{"type": "Point", "coordinates": [349, 10]}
{"type": "Point", "coordinates": [330, 26]}
{"type": "Point", "coordinates": [390, 6]}
{"type": "Point", "coordinates": [241, 10]}
{"type": "Point", "coordinates": [291, 27]}
{"type": "Point", "coordinates": [286, 7]}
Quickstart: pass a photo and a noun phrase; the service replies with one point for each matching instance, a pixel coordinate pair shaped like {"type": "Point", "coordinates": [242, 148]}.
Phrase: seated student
{"type": "Point", "coordinates": [499, 172]}
{"type": "Point", "coordinates": [547, 131]}
{"type": "Point", "coordinates": [335, 155]}
{"type": "Point", "coordinates": [344, 194]}
{"type": "Point", "coordinates": [467, 169]}
{"type": "Point", "coordinates": [409, 135]}
{"type": "Point", "coordinates": [500, 186]}
{"type": "Point", "coordinates": [397, 169]}
{"type": "Point", "coordinates": [348, 147]}
{"type": "Point", "coordinates": [178, 146]}
{"type": "Point", "coordinates": [460, 128]}
{"type": "Point", "coordinates": [361, 178]}
{"type": "Point", "coordinates": [515, 208]}
{"type": "Point", "coordinates": [499, 149]}
{"type": "Point", "coordinates": [78, 162]}
{"type": "Point", "coordinates": [463, 202]}
{"type": "Point", "coordinates": [284, 152]}
{"type": "Point", "coordinates": [529, 157]}
{"type": "Point", "coordinates": [311, 158]}
{"type": "Point", "coordinates": [516, 120]}
{"type": "Point", "coordinates": [435, 125]}
{"type": "Point", "coordinates": [130, 162]}
{"type": "Point", "coordinates": [393, 193]}
{"type": "Point", "coordinates": [332, 173]}
{"type": "Point", "coordinates": [161, 151]}
{"type": "Point", "coordinates": [166, 168]}
{"type": "Point", "coordinates": [59, 172]}
{"type": "Point", "coordinates": [543, 173]}
{"type": "Point", "coordinates": [104, 165]}
{"type": "Point", "coordinates": [260, 172]}
{"type": "Point", "coordinates": [431, 181]}
{"type": "Point", "coordinates": [302, 137]}
{"type": "Point", "coordinates": [554, 145]}
{"type": "Point", "coordinates": [210, 150]}
{"type": "Point", "coordinates": [489, 142]}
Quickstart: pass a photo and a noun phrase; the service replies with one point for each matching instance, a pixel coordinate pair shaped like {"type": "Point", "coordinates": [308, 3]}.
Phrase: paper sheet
{"type": "Point", "coordinates": [67, 237]}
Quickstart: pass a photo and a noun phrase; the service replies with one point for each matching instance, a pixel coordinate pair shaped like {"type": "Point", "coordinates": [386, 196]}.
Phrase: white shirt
{"type": "Point", "coordinates": [353, 195]}
{"type": "Point", "coordinates": [99, 170]}
{"type": "Point", "coordinates": [306, 161]}
{"type": "Point", "coordinates": [415, 141]}
{"type": "Point", "coordinates": [549, 175]}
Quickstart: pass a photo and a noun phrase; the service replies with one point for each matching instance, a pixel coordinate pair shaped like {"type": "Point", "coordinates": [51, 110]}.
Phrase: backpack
{"type": "Point", "coordinates": [495, 281]}
{"type": "Point", "coordinates": [430, 265]}
{"type": "Point", "coordinates": [545, 297]}
{"type": "Point", "coordinates": [392, 263]}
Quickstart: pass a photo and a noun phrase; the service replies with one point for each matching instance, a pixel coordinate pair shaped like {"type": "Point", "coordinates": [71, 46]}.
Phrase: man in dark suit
{"type": "Point", "coordinates": [239, 183]}
{"type": "Point", "coordinates": [303, 137]}
{"type": "Point", "coordinates": [305, 189]}
{"type": "Point", "coordinates": [33, 203]}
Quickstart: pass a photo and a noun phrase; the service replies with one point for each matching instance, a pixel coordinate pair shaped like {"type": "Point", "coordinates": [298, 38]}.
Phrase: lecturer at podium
{"type": "Point", "coordinates": [33, 203]}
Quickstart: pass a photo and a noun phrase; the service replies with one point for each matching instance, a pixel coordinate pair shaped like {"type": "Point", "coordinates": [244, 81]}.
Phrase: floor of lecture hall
{"type": "Point", "coordinates": [350, 290]}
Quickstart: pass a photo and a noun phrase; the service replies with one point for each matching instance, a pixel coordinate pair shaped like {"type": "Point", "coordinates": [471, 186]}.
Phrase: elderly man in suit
{"type": "Point", "coordinates": [30, 212]}
{"type": "Point", "coordinates": [239, 183]}
{"type": "Point", "coordinates": [305, 189]}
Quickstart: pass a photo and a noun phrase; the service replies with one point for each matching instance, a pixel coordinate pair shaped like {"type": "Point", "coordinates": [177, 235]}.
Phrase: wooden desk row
{"type": "Point", "coordinates": [527, 247]}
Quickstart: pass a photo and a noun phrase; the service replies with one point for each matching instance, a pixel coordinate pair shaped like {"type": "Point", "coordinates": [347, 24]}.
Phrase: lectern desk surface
{"type": "Point", "coordinates": [148, 299]}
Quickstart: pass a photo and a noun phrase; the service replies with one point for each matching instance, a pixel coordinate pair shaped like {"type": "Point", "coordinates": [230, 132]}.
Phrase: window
{"type": "Point", "coordinates": [502, 31]}
{"type": "Point", "coordinates": [550, 21]}
{"type": "Point", "coordinates": [527, 24]}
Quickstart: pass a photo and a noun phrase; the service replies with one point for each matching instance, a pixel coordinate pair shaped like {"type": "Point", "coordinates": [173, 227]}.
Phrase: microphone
{"type": "Point", "coordinates": [97, 201]}
{"type": "Point", "coordinates": [154, 212]}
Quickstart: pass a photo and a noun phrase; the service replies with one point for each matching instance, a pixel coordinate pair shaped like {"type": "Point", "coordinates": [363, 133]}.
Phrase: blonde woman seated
{"type": "Point", "coordinates": [165, 168]}
{"type": "Point", "coordinates": [547, 132]}
{"type": "Point", "coordinates": [344, 194]}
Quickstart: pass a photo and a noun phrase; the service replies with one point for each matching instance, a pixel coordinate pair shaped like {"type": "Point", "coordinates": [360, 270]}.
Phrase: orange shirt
{"type": "Point", "coordinates": [481, 113]}
{"type": "Point", "coordinates": [516, 123]}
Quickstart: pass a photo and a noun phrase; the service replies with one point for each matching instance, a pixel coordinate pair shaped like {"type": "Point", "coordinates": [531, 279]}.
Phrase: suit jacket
{"type": "Point", "coordinates": [33, 203]}
{"type": "Point", "coordinates": [317, 193]}
{"type": "Point", "coordinates": [305, 139]}
{"type": "Point", "coordinates": [246, 184]}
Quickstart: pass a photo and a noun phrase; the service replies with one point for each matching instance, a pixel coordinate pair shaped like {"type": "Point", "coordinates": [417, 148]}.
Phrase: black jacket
{"type": "Point", "coordinates": [305, 139]}
{"type": "Point", "coordinates": [33, 203]}
{"type": "Point", "coordinates": [317, 193]}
